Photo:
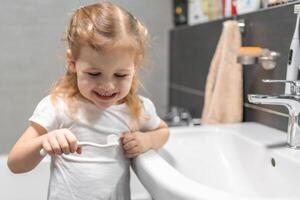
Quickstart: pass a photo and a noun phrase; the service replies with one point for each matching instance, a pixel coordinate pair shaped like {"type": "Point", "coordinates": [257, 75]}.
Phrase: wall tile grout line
{"type": "Point", "coordinates": [186, 89]}
{"type": "Point", "coordinates": [247, 105]}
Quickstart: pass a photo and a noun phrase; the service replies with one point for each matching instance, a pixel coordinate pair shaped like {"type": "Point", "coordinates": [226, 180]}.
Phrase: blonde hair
{"type": "Point", "coordinates": [102, 26]}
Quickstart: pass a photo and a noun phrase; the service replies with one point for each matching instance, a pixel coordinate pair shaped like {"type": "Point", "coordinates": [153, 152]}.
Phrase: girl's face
{"type": "Point", "coordinates": [104, 78]}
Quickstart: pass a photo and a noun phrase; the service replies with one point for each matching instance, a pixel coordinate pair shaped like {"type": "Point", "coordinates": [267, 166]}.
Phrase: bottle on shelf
{"type": "Point", "coordinates": [212, 8]}
{"type": "Point", "coordinates": [180, 10]}
{"type": "Point", "coordinates": [195, 12]}
{"type": "Point", "coordinates": [245, 6]}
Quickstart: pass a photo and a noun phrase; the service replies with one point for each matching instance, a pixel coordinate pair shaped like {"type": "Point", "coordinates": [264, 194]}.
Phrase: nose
{"type": "Point", "coordinates": [106, 85]}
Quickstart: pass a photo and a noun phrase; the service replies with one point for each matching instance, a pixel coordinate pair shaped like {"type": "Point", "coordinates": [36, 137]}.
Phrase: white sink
{"type": "Point", "coordinates": [236, 161]}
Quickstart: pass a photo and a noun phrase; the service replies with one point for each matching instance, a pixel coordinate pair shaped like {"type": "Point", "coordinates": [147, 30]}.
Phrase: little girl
{"type": "Point", "coordinates": [96, 97]}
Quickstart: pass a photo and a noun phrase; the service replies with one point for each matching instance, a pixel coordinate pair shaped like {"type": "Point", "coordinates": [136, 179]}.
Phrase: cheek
{"type": "Point", "coordinates": [84, 83]}
{"type": "Point", "coordinates": [125, 85]}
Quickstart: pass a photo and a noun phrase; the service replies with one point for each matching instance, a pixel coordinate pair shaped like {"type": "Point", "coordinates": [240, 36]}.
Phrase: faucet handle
{"type": "Point", "coordinates": [295, 85]}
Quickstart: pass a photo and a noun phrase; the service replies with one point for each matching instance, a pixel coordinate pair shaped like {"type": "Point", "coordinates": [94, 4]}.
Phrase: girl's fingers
{"type": "Point", "coordinates": [72, 141]}
{"type": "Point", "coordinates": [129, 145]}
{"type": "Point", "coordinates": [134, 150]}
{"type": "Point", "coordinates": [63, 143]}
{"type": "Point", "coordinates": [79, 150]}
{"type": "Point", "coordinates": [127, 137]}
{"type": "Point", "coordinates": [48, 148]}
{"type": "Point", "coordinates": [55, 145]}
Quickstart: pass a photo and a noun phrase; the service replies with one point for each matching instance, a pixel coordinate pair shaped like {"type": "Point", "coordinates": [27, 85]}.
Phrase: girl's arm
{"type": "Point", "coordinates": [158, 137]}
{"type": "Point", "coordinates": [24, 156]}
{"type": "Point", "coordinates": [136, 143]}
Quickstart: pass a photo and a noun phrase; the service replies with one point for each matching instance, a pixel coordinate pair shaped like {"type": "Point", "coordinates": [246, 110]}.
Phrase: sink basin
{"type": "Point", "coordinates": [235, 161]}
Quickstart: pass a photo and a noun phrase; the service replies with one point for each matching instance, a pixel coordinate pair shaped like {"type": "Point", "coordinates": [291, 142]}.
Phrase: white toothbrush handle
{"type": "Point", "coordinates": [294, 60]}
{"type": "Point", "coordinates": [43, 151]}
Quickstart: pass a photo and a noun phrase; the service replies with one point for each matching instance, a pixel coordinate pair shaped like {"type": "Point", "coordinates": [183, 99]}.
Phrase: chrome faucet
{"type": "Point", "coordinates": [291, 102]}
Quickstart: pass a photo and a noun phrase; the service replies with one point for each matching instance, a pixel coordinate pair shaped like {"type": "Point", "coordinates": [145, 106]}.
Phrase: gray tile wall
{"type": "Point", "coordinates": [32, 55]}
{"type": "Point", "coordinates": [192, 48]}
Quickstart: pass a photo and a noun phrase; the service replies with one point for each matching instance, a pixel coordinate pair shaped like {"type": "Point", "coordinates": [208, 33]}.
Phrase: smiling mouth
{"type": "Point", "coordinates": [105, 96]}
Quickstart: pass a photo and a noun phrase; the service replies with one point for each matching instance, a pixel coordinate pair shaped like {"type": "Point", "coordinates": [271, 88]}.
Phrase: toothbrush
{"type": "Point", "coordinates": [112, 140]}
{"type": "Point", "coordinates": [294, 54]}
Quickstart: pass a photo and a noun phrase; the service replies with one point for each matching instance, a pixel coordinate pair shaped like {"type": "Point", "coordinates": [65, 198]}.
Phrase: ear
{"type": "Point", "coordinates": [71, 63]}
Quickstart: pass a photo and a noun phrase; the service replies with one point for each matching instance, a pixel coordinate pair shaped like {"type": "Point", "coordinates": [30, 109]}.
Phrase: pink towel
{"type": "Point", "coordinates": [223, 102]}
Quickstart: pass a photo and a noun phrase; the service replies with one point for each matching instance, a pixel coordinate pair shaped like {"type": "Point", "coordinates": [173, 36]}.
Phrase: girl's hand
{"type": "Point", "coordinates": [60, 141]}
{"type": "Point", "coordinates": [135, 143]}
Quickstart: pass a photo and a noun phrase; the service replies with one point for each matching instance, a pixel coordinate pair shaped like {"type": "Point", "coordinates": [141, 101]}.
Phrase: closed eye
{"type": "Point", "coordinates": [121, 75]}
{"type": "Point", "coordinates": [93, 74]}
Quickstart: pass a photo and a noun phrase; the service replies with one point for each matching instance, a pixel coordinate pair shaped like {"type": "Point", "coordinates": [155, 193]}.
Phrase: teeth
{"type": "Point", "coordinates": [105, 94]}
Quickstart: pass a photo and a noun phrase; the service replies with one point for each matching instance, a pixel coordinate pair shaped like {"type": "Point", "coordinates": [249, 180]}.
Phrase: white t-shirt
{"type": "Point", "coordinates": [98, 173]}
